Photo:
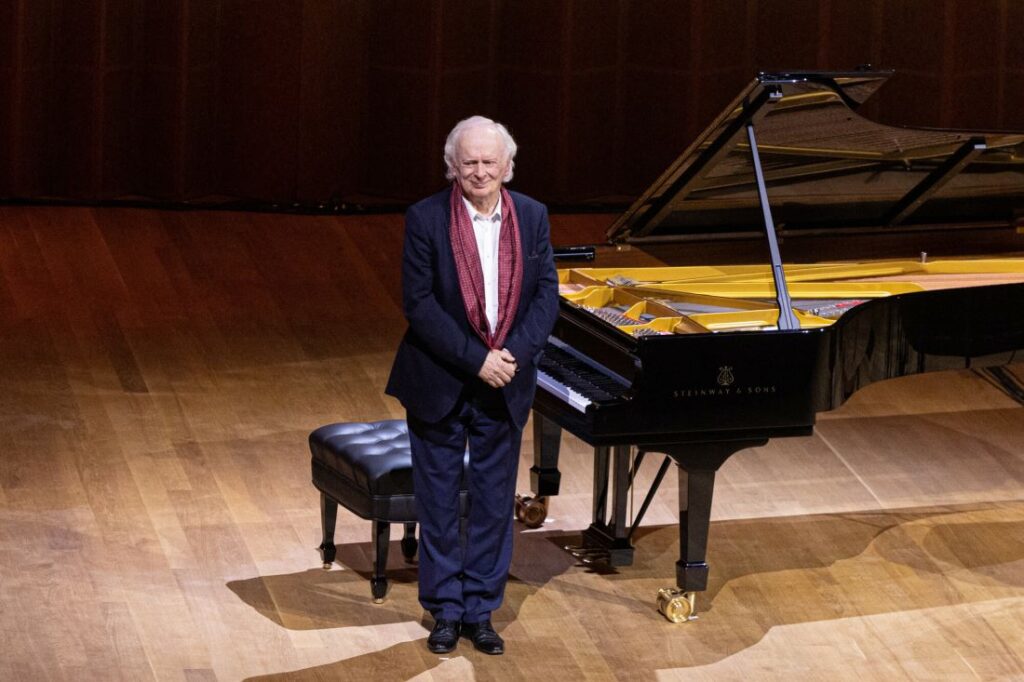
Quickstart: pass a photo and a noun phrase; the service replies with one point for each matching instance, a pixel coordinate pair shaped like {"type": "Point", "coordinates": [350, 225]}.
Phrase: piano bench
{"type": "Point", "coordinates": [366, 467]}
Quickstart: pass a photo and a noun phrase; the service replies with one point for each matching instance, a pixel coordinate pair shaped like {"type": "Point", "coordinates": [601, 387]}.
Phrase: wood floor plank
{"type": "Point", "coordinates": [161, 373]}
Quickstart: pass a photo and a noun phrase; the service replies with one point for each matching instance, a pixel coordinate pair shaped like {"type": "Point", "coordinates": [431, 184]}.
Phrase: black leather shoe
{"type": "Point", "coordinates": [484, 637]}
{"type": "Point", "coordinates": [444, 636]}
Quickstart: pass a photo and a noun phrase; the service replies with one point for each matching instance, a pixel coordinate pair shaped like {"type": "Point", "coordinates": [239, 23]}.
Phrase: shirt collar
{"type": "Point", "coordinates": [476, 215]}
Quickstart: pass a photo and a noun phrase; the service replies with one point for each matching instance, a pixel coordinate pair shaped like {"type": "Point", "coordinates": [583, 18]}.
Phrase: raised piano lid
{"type": "Point", "coordinates": [826, 168]}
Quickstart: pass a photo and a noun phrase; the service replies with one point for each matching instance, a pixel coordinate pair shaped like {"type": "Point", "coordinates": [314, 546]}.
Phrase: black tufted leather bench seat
{"type": "Point", "coordinates": [366, 467]}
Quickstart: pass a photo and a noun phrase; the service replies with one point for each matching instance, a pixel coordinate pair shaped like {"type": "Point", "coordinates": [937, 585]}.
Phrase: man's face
{"type": "Point", "coordinates": [481, 163]}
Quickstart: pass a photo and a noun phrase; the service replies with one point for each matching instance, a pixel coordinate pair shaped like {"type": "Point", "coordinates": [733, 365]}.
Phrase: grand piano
{"type": "Point", "coordinates": [701, 361]}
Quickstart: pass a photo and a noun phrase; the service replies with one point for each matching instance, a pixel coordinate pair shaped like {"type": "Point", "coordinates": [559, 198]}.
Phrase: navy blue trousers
{"type": "Point", "coordinates": [465, 580]}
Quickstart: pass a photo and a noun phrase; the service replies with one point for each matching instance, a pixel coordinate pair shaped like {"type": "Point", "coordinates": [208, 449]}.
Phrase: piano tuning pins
{"type": "Point", "coordinates": [924, 257]}
{"type": "Point", "coordinates": [612, 316]}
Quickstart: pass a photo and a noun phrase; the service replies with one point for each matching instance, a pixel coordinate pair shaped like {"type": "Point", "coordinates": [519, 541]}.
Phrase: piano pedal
{"type": "Point", "coordinates": [676, 605]}
{"type": "Point", "coordinates": [588, 555]}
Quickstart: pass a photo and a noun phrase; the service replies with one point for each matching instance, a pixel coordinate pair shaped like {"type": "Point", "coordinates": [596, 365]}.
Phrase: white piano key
{"type": "Point", "coordinates": [566, 394]}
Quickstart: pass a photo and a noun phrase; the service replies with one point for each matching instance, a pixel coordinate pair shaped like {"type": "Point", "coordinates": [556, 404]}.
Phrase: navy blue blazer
{"type": "Point", "coordinates": [440, 353]}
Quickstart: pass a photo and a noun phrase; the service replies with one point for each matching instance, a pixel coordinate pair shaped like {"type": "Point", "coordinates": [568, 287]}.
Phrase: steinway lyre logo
{"type": "Point", "coordinates": [727, 387]}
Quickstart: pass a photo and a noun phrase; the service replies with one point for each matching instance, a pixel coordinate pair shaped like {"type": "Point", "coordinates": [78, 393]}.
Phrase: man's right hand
{"type": "Point", "coordinates": [498, 369]}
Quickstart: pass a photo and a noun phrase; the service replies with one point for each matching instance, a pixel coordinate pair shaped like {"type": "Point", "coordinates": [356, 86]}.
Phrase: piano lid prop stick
{"type": "Point", "coordinates": [787, 320]}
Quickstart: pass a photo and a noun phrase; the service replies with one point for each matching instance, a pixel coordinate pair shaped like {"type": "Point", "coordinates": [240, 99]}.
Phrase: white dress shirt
{"type": "Point", "coordinates": [488, 230]}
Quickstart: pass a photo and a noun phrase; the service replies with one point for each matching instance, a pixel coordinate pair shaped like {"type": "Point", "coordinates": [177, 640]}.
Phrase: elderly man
{"type": "Point", "coordinates": [480, 293]}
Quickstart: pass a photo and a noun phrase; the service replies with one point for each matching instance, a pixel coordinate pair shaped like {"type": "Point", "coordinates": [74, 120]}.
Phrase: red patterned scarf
{"type": "Point", "coordinates": [471, 276]}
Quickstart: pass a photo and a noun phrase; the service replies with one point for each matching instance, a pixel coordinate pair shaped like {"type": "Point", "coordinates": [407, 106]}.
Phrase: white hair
{"type": "Point", "coordinates": [452, 143]}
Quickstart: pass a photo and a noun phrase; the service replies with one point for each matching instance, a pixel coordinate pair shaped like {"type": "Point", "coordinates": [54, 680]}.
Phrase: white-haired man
{"type": "Point", "coordinates": [480, 292]}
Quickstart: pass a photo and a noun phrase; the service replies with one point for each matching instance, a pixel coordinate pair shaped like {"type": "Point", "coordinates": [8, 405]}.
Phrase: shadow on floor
{"type": "Point", "coordinates": [561, 619]}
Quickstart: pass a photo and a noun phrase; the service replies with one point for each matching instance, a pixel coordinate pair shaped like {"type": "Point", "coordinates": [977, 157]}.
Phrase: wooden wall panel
{"type": "Point", "coordinates": [588, 140]}
{"type": "Point", "coordinates": [260, 65]}
{"type": "Point", "coordinates": [397, 158]}
{"type": "Point", "coordinates": [853, 29]}
{"type": "Point", "coordinates": [10, 47]}
{"type": "Point", "coordinates": [402, 34]}
{"type": "Point", "coordinates": [532, 34]}
{"type": "Point", "coordinates": [595, 35]}
{"type": "Point", "coordinates": [1013, 65]}
{"type": "Point", "coordinates": [658, 34]}
{"type": "Point", "coordinates": [160, 98]}
{"type": "Point", "coordinates": [913, 36]}
{"type": "Point", "coordinates": [724, 35]}
{"type": "Point", "coordinates": [657, 69]}
{"type": "Point", "coordinates": [118, 162]}
{"type": "Point", "coordinates": [531, 89]}
{"type": "Point", "coordinates": [468, 36]}
{"type": "Point", "coordinates": [304, 101]}
{"type": "Point", "coordinates": [74, 143]}
{"type": "Point", "coordinates": [590, 162]}
{"type": "Point", "coordinates": [333, 78]}
{"type": "Point", "coordinates": [198, 174]}
{"type": "Point", "coordinates": [1011, 107]}
{"type": "Point", "coordinates": [456, 103]}
{"type": "Point", "coordinates": [789, 33]}
{"type": "Point", "coordinates": [975, 82]}
{"type": "Point", "coordinates": [654, 126]}
{"type": "Point", "coordinates": [402, 85]}
{"type": "Point", "coordinates": [723, 47]}
{"type": "Point", "coordinates": [533, 103]}
{"type": "Point", "coordinates": [31, 103]}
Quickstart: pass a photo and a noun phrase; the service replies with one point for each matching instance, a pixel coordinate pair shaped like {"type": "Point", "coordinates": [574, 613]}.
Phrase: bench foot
{"type": "Point", "coordinates": [381, 538]}
{"type": "Point", "coordinates": [328, 520]}
{"type": "Point", "coordinates": [409, 543]}
{"type": "Point", "coordinates": [379, 589]}
{"type": "Point", "coordinates": [327, 552]}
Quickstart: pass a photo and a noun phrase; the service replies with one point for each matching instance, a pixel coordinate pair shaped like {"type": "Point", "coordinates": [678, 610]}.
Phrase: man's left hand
{"type": "Point", "coordinates": [498, 369]}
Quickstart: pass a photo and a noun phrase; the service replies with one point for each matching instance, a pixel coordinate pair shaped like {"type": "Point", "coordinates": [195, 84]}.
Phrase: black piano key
{"type": "Point", "coordinates": [579, 376]}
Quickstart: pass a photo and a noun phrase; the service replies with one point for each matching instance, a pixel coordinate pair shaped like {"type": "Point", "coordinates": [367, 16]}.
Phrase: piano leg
{"type": "Point", "coordinates": [599, 498]}
{"type": "Point", "coordinates": [698, 463]}
{"type": "Point", "coordinates": [547, 440]}
{"type": "Point", "coordinates": [696, 488]}
{"type": "Point", "coordinates": [544, 475]}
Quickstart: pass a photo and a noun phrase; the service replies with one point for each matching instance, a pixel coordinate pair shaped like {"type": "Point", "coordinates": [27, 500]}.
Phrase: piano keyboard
{"type": "Point", "coordinates": [577, 381]}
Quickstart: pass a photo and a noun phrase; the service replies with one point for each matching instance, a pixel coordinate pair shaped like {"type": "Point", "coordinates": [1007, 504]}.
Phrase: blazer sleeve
{"type": "Point", "coordinates": [443, 336]}
{"type": "Point", "coordinates": [528, 337]}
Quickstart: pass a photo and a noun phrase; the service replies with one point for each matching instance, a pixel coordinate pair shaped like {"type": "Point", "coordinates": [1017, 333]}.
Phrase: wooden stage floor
{"type": "Point", "coordinates": [161, 371]}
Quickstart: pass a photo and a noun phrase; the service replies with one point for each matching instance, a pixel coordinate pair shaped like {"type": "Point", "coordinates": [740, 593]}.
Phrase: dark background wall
{"type": "Point", "coordinates": [349, 100]}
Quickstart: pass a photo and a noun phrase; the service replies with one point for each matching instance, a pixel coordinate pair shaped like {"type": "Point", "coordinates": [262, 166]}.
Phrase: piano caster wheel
{"type": "Point", "coordinates": [676, 605]}
{"type": "Point", "coordinates": [531, 511]}
{"type": "Point", "coordinates": [327, 552]}
{"type": "Point", "coordinates": [379, 589]}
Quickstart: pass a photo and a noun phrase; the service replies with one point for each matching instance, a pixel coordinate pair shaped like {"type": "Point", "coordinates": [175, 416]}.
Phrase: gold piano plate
{"type": "Point", "coordinates": [686, 300]}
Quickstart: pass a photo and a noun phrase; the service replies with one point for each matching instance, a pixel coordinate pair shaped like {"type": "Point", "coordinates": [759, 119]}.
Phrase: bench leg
{"type": "Point", "coordinates": [328, 520]}
{"type": "Point", "coordinates": [409, 543]}
{"type": "Point", "coordinates": [381, 538]}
